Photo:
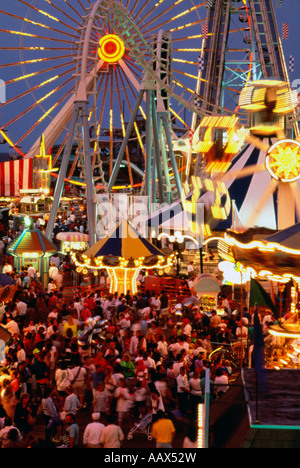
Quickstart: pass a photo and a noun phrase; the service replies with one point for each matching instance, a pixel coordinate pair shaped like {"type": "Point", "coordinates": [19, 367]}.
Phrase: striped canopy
{"type": "Point", "coordinates": [125, 242]}
{"type": "Point", "coordinates": [14, 176]}
{"type": "Point", "coordinates": [72, 237]}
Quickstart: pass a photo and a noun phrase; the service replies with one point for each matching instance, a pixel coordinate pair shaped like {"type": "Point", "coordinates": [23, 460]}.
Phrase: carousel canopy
{"type": "Point", "coordinates": [125, 242]}
{"type": "Point", "coordinates": [31, 241]}
{"type": "Point", "coordinates": [272, 256]}
{"type": "Point", "coordinates": [289, 238]}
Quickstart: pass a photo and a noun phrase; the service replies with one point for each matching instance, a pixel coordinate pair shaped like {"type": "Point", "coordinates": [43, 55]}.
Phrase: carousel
{"type": "Point", "coordinates": [124, 253]}
{"type": "Point", "coordinates": [273, 258]}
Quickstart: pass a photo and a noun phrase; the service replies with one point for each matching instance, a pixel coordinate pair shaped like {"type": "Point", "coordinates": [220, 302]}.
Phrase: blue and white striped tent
{"type": "Point", "coordinates": [123, 241]}
{"type": "Point", "coordinates": [247, 191]}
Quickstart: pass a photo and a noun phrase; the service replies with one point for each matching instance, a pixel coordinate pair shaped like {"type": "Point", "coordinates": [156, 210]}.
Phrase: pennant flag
{"type": "Point", "coordinates": [285, 31]}
{"type": "Point", "coordinates": [259, 351]}
{"type": "Point", "coordinates": [191, 135]}
{"type": "Point", "coordinates": [259, 297]}
{"type": "Point", "coordinates": [205, 31]}
{"type": "Point", "coordinates": [291, 63]}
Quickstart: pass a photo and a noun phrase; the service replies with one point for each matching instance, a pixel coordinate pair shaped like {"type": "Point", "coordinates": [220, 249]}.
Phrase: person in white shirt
{"type": "Point", "coordinates": [162, 346]}
{"type": "Point", "coordinates": [11, 326]}
{"type": "Point", "coordinates": [190, 269]}
{"type": "Point", "coordinates": [135, 341]}
{"type": "Point", "coordinates": [155, 303]}
{"type": "Point", "coordinates": [124, 400]}
{"type": "Point", "coordinates": [8, 425]}
{"type": "Point", "coordinates": [78, 306]}
{"type": "Point", "coordinates": [21, 307]}
{"type": "Point", "coordinates": [221, 382]}
{"type": "Point", "coordinates": [112, 435]}
{"type": "Point", "coordinates": [31, 272]}
{"type": "Point", "coordinates": [177, 365]}
{"type": "Point", "coordinates": [21, 354]}
{"type": "Point", "coordinates": [183, 390]}
{"type": "Point", "coordinates": [53, 271]}
{"type": "Point", "coordinates": [7, 268]}
{"type": "Point", "coordinates": [92, 432]}
{"type": "Point", "coordinates": [241, 335]}
{"type": "Point", "coordinates": [180, 345]}
{"type": "Point", "coordinates": [196, 391]}
{"type": "Point", "coordinates": [187, 328]}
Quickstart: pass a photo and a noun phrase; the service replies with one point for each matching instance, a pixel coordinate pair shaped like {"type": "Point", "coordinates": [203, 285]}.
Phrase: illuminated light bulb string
{"type": "Point", "coordinates": [125, 272]}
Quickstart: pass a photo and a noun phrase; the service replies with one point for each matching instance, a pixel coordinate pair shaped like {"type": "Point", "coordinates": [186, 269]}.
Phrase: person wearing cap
{"type": "Point", "coordinates": [92, 432]}
{"type": "Point", "coordinates": [187, 327]}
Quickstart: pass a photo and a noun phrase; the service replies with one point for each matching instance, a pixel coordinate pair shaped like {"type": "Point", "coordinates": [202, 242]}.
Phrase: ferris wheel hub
{"type": "Point", "coordinates": [111, 48]}
{"type": "Point", "coordinates": [283, 160]}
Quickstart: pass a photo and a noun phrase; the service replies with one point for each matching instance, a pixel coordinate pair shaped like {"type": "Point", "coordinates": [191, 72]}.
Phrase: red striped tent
{"type": "Point", "coordinates": [15, 175]}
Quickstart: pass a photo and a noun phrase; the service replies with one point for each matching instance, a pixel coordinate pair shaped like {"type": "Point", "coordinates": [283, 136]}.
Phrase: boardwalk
{"type": "Point", "coordinates": [138, 440]}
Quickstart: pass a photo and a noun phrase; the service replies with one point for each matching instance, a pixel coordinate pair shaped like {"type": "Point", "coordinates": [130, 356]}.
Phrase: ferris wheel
{"type": "Point", "coordinates": [49, 46]}
{"type": "Point", "coordinates": [41, 65]}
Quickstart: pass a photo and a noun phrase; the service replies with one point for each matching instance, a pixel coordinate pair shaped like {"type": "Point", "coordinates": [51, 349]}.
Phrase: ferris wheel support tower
{"type": "Point", "coordinates": [80, 110]}
{"type": "Point", "coordinates": [229, 63]}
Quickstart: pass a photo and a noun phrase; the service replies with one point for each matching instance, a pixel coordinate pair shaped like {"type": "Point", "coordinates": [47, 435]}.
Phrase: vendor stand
{"type": "Point", "coordinates": [207, 289]}
{"type": "Point", "coordinates": [70, 241]}
{"type": "Point", "coordinates": [33, 247]}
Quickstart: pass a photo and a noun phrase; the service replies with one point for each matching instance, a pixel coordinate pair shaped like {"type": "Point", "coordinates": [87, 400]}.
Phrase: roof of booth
{"type": "Point", "coordinates": [31, 241]}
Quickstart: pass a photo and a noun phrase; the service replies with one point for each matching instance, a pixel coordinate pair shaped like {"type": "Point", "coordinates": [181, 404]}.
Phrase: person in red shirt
{"type": "Point", "coordinates": [85, 313]}
{"type": "Point", "coordinates": [99, 360]}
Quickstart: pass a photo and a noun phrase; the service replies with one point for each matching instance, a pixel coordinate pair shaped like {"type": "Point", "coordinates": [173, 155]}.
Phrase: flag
{"type": "Point", "coordinates": [259, 351]}
{"type": "Point", "coordinates": [278, 3]}
{"type": "Point", "coordinates": [201, 63]}
{"type": "Point", "coordinates": [285, 31]}
{"type": "Point", "coordinates": [191, 136]}
{"type": "Point", "coordinates": [291, 63]}
{"type": "Point", "coordinates": [205, 30]}
{"type": "Point", "coordinates": [259, 297]}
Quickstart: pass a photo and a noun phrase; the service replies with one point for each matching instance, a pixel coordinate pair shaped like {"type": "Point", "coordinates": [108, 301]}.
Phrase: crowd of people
{"type": "Point", "coordinates": [118, 357]}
